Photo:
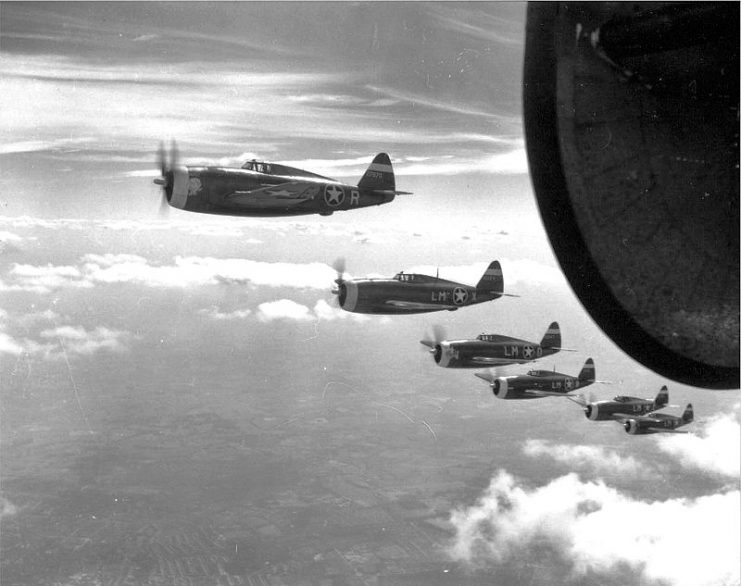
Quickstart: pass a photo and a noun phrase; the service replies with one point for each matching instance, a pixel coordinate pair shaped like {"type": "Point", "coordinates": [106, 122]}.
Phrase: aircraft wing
{"type": "Point", "coordinates": [547, 394]}
{"type": "Point", "coordinates": [665, 430]}
{"type": "Point", "coordinates": [491, 361]}
{"type": "Point", "coordinates": [418, 305]}
{"type": "Point", "coordinates": [290, 193]}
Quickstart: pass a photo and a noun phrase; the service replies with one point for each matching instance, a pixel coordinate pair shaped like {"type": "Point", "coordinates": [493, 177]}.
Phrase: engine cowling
{"type": "Point", "coordinates": [500, 388]}
{"type": "Point", "coordinates": [592, 411]}
{"type": "Point", "coordinates": [443, 354]}
{"type": "Point", "coordinates": [632, 427]}
{"type": "Point", "coordinates": [178, 196]}
{"type": "Point", "coordinates": [347, 295]}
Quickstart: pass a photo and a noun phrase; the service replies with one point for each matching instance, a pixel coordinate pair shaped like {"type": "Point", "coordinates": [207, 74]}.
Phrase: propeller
{"type": "Point", "coordinates": [438, 335]}
{"type": "Point", "coordinates": [166, 175]}
{"type": "Point", "coordinates": [339, 266]}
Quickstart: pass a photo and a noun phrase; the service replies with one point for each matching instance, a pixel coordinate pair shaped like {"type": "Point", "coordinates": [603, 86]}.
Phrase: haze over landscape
{"type": "Point", "coordinates": [181, 402]}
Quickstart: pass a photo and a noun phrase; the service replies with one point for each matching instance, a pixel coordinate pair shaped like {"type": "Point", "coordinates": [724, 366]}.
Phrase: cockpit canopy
{"type": "Point", "coordinates": [416, 278]}
{"type": "Point", "coordinates": [259, 166]}
{"type": "Point", "coordinates": [539, 372]}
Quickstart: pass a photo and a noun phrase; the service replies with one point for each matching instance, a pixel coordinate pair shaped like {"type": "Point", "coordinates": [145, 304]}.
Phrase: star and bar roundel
{"type": "Point", "coordinates": [334, 195]}
{"type": "Point", "coordinates": [460, 295]}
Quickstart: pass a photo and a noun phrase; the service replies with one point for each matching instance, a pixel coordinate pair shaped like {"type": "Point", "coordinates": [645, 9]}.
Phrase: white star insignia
{"type": "Point", "coordinates": [459, 295]}
{"type": "Point", "coordinates": [528, 350]}
{"type": "Point", "coordinates": [333, 195]}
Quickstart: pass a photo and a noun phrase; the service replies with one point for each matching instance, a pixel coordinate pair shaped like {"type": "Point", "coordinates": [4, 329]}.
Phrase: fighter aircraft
{"type": "Point", "coordinates": [538, 383]}
{"type": "Point", "coordinates": [492, 349]}
{"type": "Point", "coordinates": [414, 293]}
{"type": "Point", "coordinates": [269, 189]}
{"type": "Point", "coordinates": [656, 422]}
{"type": "Point", "coordinates": [622, 406]}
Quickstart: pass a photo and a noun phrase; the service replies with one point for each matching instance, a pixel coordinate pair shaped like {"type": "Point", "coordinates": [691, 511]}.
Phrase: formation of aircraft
{"type": "Point", "coordinates": [492, 349]}
{"type": "Point", "coordinates": [537, 384]}
{"type": "Point", "coordinates": [269, 189]}
{"type": "Point", "coordinates": [406, 293]}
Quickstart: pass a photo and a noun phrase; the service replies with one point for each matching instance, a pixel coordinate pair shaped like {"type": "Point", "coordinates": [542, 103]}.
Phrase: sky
{"type": "Point", "coordinates": [113, 317]}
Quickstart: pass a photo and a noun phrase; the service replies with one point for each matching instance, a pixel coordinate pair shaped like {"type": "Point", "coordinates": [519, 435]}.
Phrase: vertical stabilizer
{"type": "Point", "coordinates": [662, 399]}
{"type": "Point", "coordinates": [689, 414]}
{"type": "Point", "coordinates": [552, 338]}
{"type": "Point", "coordinates": [492, 282]}
{"type": "Point", "coordinates": [587, 374]}
{"type": "Point", "coordinates": [379, 176]}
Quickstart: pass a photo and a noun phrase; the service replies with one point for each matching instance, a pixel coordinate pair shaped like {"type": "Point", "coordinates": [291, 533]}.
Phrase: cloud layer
{"type": "Point", "coordinates": [595, 528]}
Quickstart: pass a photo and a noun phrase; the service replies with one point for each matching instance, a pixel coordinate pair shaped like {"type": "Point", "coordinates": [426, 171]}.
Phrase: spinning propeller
{"type": "Point", "coordinates": [438, 335]}
{"type": "Point", "coordinates": [166, 179]}
{"type": "Point", "coordinates": [340, 291]}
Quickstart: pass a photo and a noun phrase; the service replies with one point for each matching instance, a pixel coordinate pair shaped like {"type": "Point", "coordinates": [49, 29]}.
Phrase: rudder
{"type": "Point", "coordinates": [379, 176]}
{"type": "Point", "coordinates": [662, 399]}
{"type": "Point", "coordinates": [588, 373]}
{"type": "Point", "coordinates": [552, 338]}
{"type": "Point", "coordinates": [689, 414]}
{"type": "Point", "coordinates": [492, 281]}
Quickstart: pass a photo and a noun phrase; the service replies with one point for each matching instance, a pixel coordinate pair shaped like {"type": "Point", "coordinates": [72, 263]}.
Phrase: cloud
{"type": "Point", "coordinates": [7, 508]}
{"type": "Point", "coordinates": [8, 345]}
{"type": "Point", "coordinates": [595, 528]}
{"type": "Point", "coordinates": [76, 340]}
{"type": "Point", "coordinates": [184, 272]}
{"type": "Point", "coordinates": [213, 312]}
{"type": "Point", "coordinates": [595, 458]}
{"type": "Point", "coordinates": [716, 448]}
{"type": "Point", "coordinates": [283, 309]}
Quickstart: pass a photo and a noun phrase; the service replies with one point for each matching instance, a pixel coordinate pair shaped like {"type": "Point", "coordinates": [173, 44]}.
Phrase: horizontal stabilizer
{"type": "Point", "coordinates": [487, 376]}
{"type": "Point", "coordinates": [390, 192]}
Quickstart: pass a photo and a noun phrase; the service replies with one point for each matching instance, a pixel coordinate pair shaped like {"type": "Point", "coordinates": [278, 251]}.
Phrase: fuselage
{"type": "Point", "coordinates": [515, 387]}
{"type": "Point", "coordinates": [407, 293]}
{"type": "Point", "coordinates": [487, 350]}
{"type": "Point", "coordinates": [604, 410]}
{"type": "Point", "coordinates": [229, 191]}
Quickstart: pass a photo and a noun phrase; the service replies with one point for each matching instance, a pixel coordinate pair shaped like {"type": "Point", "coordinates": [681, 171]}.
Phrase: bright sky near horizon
{"type": "Point", "coordinates": [101, 298]}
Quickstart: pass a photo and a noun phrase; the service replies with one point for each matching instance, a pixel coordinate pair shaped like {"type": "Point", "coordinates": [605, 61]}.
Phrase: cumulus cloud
{"type": "Point", "coordinates": [7, 508]}
{"type": "Point", "coordinates": [715, 448]}
{"type": "Point", "coordinates": [213, 312]}
{"type": "Point", "coordinates": [10, 346]}
{"type": "Point", "coordinates": [595, 458]}
{"type": "Point", "coordinates": [283, 309]}
{"type": "Point", "coordinates": [184, 272]}
{"type": "Point", "coordinates": [595, 528]}
{"type": "Point", "coordinates": [76, 340]}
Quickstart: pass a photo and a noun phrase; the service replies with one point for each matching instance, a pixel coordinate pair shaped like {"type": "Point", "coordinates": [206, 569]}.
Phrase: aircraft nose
{"type": "Point", "coordinates": [588, 411]}
{"type": "Point", "coordinates": [438, 354]}
{"type": "Point", "coordinates": [348, 296]}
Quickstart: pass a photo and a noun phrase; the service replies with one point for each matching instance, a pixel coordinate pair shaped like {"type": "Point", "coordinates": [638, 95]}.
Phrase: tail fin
{"type": "Point", "coordinates": [588, 373]}
{"type": "Point", "coordinates": [662, 399]}
{"type": "Point", "coordinates": [689, 414]}
{"type": "Point", "coordinates": [491, 282]}
{"type": "Point", "coordinates": [379, 176]}
{"type": "Point", "coordinates": [552, 338]}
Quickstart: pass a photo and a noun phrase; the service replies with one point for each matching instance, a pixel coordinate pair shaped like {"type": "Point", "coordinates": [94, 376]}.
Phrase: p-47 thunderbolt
{"type": "Point", "coordinates": [657, 422]}
{"type": "Point", "coordinates": [270, 189]}
{"type": "Point", "coordinates": [538, 383]}
{"type": "Point", "coordinates": [414, 293]}
{"type": "Point", "coordinates": [492, 349]}
{"type": "Point", "coordinates": [622, 406]}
